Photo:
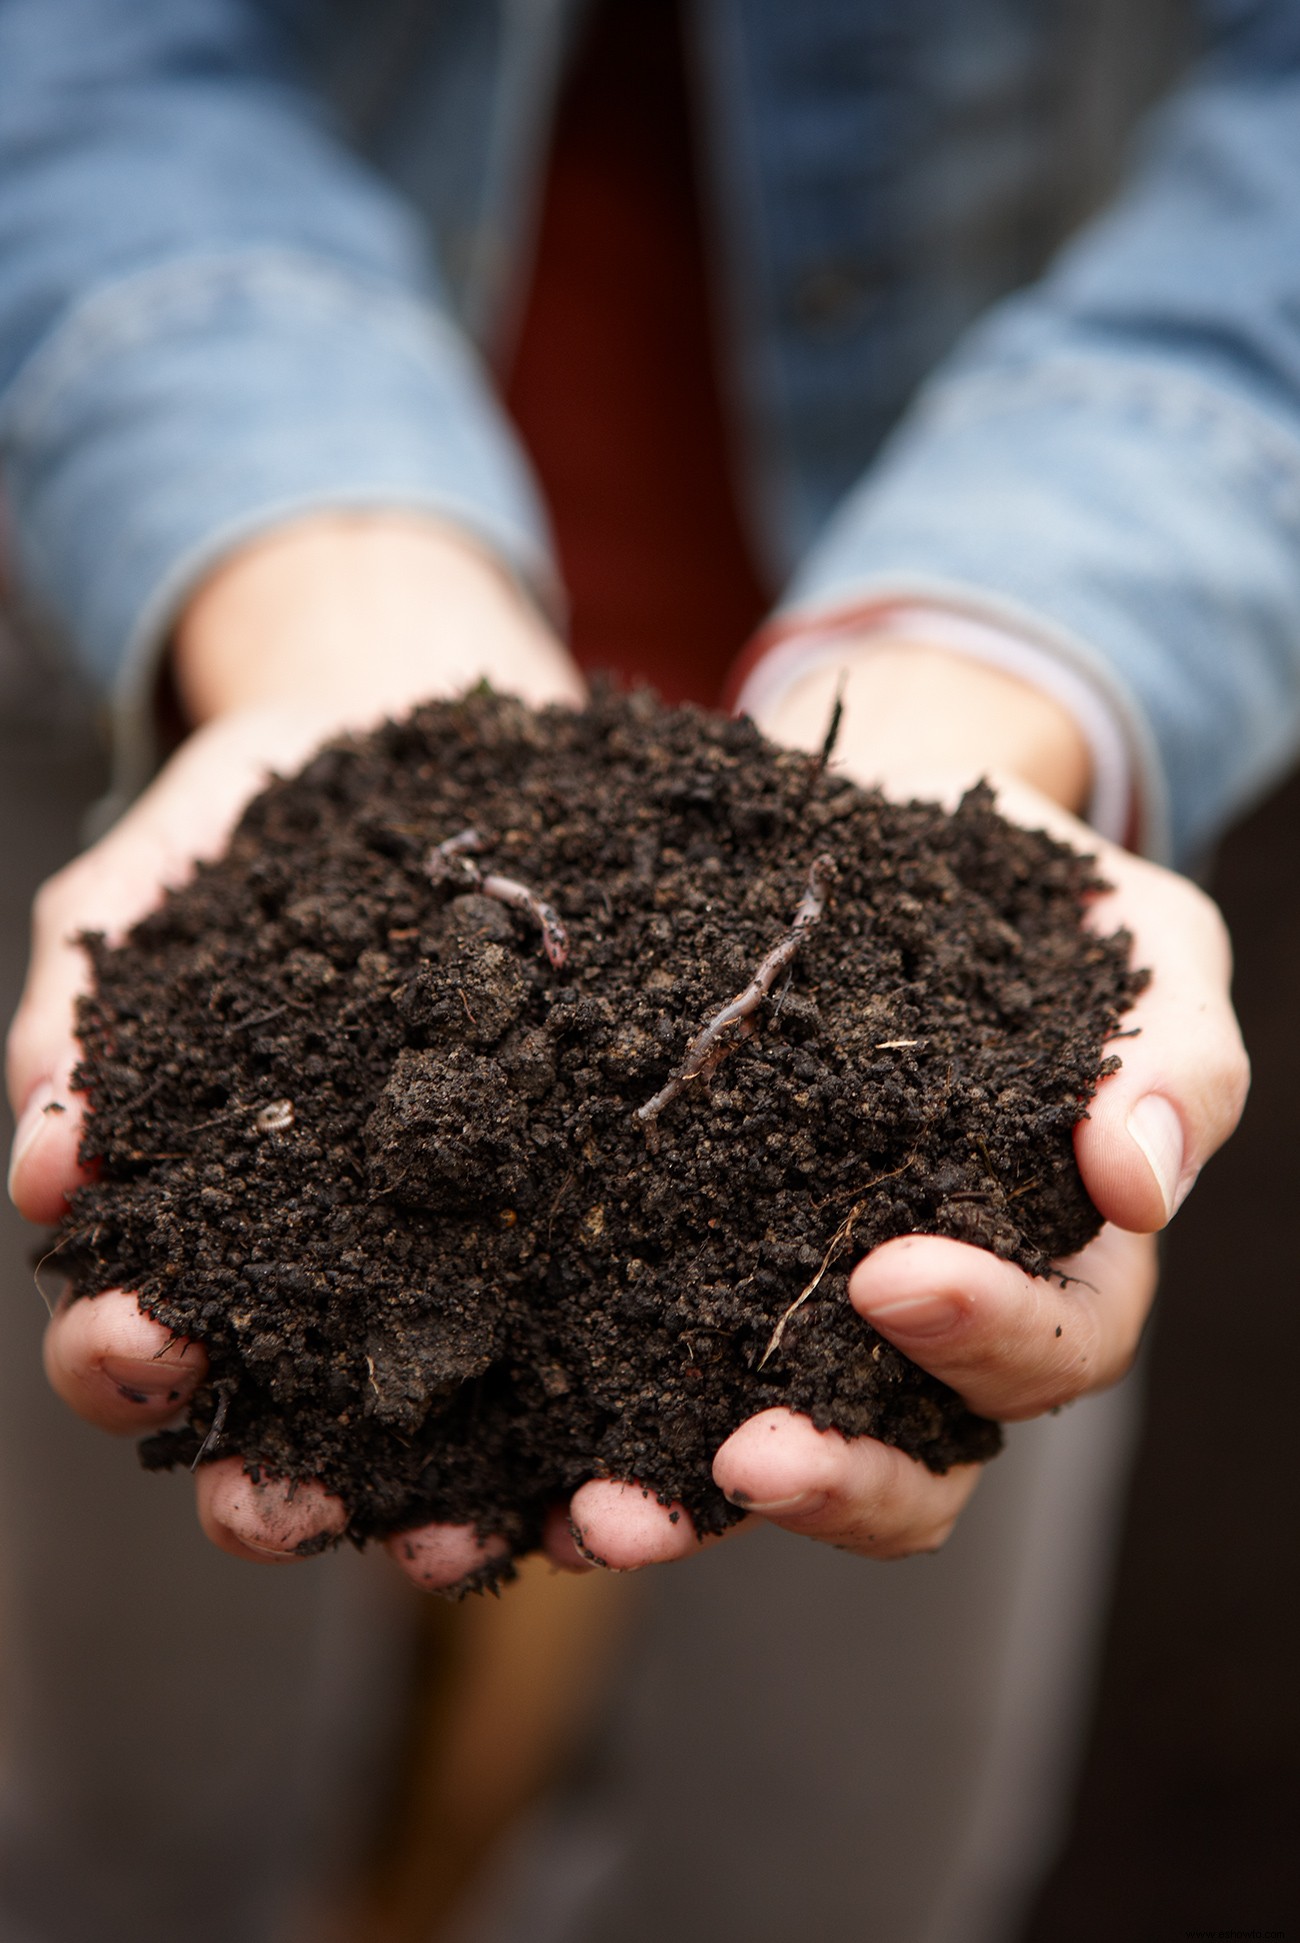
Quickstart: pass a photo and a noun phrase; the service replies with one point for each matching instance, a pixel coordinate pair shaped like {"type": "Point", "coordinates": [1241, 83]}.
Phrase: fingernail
{"type": "Point", "coordinates": [592, 1558]}
{"type": "Point", "coordinates": [917, 1315]}
{"type": "Point", "coordinates": [276, 1553]}
{"type": "Point", "coordinates": [804, 1502]}
{"type": "Point", "coordinates": [488, 1577]}
{"type": "Point", "coordinates": [1158, 1131]}
{"type": "Point", "coordinates": [31, 1122]}
{"type": "Point", "coordinates": [153, 1382]}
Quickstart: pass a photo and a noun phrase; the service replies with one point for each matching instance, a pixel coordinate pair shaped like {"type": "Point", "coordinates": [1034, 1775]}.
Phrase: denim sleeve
{"type": "Point", "coordinates": [212, 318]}
{"type": "Point", "coordinates": [1110, 463]}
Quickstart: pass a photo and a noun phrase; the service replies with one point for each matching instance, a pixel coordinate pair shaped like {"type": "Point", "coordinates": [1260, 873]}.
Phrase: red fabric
{"type": "Point", "coordinates": [613, 387]}
{"type": "Point", "coordinates": [857, 618]}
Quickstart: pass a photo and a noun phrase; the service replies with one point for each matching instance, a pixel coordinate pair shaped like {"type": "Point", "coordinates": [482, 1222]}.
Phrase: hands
{"type": "Point", "coordinates": [1012, 1346]}
{"type": "Point", "coordinates": [283, 621]}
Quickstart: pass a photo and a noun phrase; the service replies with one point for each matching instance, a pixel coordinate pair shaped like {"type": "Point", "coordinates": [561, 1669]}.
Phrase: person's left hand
{"type": "Point", "coordinates": [1012, 1346]}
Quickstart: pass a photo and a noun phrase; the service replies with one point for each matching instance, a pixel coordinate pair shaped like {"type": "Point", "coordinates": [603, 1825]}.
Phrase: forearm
{"type": "Point", "coordinates": [366, 616]}
{"type": "Point", "coordinates": [913, 711]}
{"type": "Point", "coordinates": [1108, 464]}
{"type": "Point", "coordinates": [193, 355]}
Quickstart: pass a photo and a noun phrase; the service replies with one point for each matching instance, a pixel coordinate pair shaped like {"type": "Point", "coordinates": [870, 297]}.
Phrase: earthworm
{"type": "Point", "coordinates": [453, 852]}
{"type": "Point", "coordinates": [708, 1046]}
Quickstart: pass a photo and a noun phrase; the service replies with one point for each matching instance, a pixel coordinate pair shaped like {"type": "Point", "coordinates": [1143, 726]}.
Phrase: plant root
{"type": "Point", "coordinates": [842, 1234]}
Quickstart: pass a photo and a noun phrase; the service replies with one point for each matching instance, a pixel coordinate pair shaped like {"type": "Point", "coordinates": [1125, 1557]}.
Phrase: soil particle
{"type": "Point", "coordinates": [355, 1131]}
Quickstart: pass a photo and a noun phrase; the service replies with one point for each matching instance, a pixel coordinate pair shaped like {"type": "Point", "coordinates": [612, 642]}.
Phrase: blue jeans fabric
{"type": "Point", "coordinates": [251, 252]}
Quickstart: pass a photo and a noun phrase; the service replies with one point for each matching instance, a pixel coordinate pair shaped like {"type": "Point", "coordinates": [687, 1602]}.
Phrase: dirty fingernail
{"type": "Point", "coordinates": [277, 1554]}
{"type": "Point", "coordinates": [804, 1502]}
{"type": "Point", "coordinates": [148, 1382]}
{"type": "Point", "coordinates": [1155, 1126]}
{"type": "Point", "coordinates": [592, 1558]}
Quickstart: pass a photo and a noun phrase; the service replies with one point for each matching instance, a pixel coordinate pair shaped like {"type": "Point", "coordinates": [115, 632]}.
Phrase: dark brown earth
{"type": "Point", "coordinates": [356, 1134]}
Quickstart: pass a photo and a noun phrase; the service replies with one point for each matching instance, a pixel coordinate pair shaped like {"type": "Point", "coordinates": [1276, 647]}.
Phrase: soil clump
{"type": "Point", "coordinates": [364, 1128]}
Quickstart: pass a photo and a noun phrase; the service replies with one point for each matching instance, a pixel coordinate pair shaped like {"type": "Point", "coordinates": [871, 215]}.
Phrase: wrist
{"type": "Point", "coordinates": [913, 709]}
{"type": "Point", "coordinates": [363, 615]}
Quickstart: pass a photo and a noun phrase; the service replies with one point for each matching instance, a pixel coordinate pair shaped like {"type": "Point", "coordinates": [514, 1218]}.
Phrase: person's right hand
{"type": "Point", "coordinates": [266, 659]}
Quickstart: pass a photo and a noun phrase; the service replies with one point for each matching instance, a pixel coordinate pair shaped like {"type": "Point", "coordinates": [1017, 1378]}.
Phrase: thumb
{"type": "Point", "coordinates": [1182, 1084]}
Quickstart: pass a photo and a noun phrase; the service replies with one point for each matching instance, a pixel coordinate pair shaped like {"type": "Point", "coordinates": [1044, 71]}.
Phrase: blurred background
{"type": "Point", "coordinates": [437, 1747]}
{"type": "Point", "coordinates": [1189, 1800]}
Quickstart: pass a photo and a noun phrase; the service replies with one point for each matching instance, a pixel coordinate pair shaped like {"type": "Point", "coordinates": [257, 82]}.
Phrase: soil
{"type": "Point", "coordinates": [355, 1131]}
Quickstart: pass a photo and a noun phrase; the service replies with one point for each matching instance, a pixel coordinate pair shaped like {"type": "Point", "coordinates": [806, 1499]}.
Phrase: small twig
{"type": "Point", "coordinates": [710, 1044]}
{"type": "Point", "coordinates": [819, 763]}
{"type": "Point", "coordinates": [783, 995]}
{"type": "Point", "coordinates": [155, 1086]}
{"type": "Point", "coordinates": [36, 1277]}
{"type": "Point", "coordinates": [74, 1239]}
{"type": "Point", "coordinates": [219, 1119]}
{"type": "Point", "coordinates": [842, 1234]}
{"type": "Point", "coordinates": [453, 855]}
{"type": "Point", "coordinates": [259, 1018]}
{"type": "Point", "coordinates": [832, 735]}
{"type": "Point", "coordinates": [565, 1185]}
{"type": "Point", "coordinates": [213, 1437]}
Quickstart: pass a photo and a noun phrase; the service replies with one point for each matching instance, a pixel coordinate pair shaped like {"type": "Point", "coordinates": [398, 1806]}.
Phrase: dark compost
{"type": "Point", "coordinates": [462, 1204]}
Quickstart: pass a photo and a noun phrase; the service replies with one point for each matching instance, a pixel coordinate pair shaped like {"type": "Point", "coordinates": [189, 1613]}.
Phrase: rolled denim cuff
{"type": "Point", "coordinates": [804, 643]}
{"type": "Point", "coordinates": [1129, 520]}
{"type": "Point", "coordinates": [184, 411]}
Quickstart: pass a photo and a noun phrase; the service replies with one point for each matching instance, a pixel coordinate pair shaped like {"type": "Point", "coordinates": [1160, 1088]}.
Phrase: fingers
{"type": "Point", "coordinates": [266, 1518]}
{"type": "Point", "coordinates": [1184, 1075]}
{"type": "Point", "coordinates": [558, 1542]}
{"type": "Point", "coordinates": [126, 1373]}
{"type": "Point", "coordinates": [186, 814]}
{"type": "Point", "coordinates": [1182, 1085]}
{"type": "Point", "coordinates": [1012, 1345]}
{"type": "Point", "coordinates": [43, 1164]}
{"type": "Point", "coordinates": [445, 1558]}
{"type": "Point", "coordinates": [449, 1558]}
{"type": "Point", "coordinates": [622, 1527]}
{"type": "Point", "coordinates": [42, 1053]}
{"type": "Point", "coordinates": [619, 1527]}
{"type": "Point", "coordinates": [117, 1367]}
{"type": "Point", "coordinates": [851, 1492]}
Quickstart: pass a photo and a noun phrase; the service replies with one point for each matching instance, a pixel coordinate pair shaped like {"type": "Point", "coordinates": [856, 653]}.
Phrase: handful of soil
{"type": "Point", "coordinates": [422, 1132]}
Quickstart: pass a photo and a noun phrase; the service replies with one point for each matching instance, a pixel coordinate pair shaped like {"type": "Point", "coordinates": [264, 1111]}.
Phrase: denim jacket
{"type": "Point", "coordinates": [254, 255]}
